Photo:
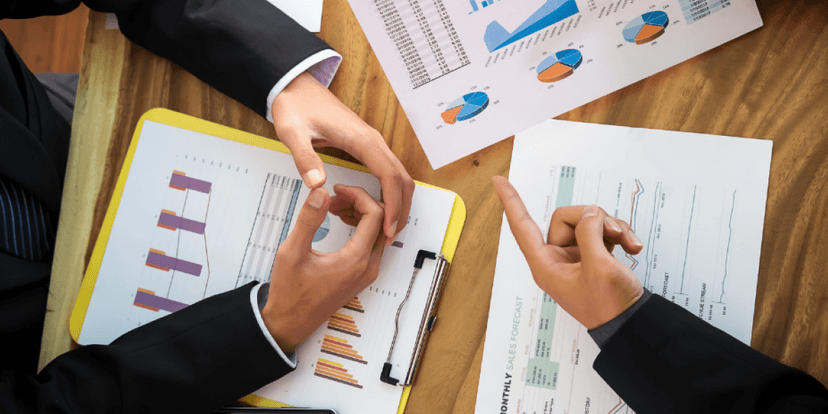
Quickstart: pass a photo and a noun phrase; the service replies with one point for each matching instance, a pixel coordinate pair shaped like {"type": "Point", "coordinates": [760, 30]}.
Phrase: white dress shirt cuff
{"type": "Point", "coordinates": [254, 301]}
{"type": "Point", "coordinates": [321, 65]}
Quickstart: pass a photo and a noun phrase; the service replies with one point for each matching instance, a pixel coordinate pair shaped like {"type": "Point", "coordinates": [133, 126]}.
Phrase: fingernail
{"type": "Point", "coordinates": [590, 211]}
{"type": "Point", "coordinates": [635, 240]}
{"type": "Point", "coordinates": [313, 178]}
{"type": "Point", "coordinates": [316, 198]}
{"type": "Point", "coordinates": [612, 225]}
{"type": "Point", "coordinates": [393, 229]}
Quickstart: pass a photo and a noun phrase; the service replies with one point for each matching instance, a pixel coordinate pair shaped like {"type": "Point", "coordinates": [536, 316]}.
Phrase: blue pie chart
{"type": "Point", "coordinates": [466, 107]}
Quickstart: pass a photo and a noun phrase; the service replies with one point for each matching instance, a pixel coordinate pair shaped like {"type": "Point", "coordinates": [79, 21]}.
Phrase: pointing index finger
{"type": "Point", "coordinates": [526, 231]}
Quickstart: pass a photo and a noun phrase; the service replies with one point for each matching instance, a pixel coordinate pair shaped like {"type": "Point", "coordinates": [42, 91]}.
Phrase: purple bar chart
{"type": "Point", "coordinates": [159, 260]}
{"type": "Point", "coordinates": [180, 181]}
{"type": "Point", "coordinates": [169, 220]}
{"type": "Point", "coordinates": [146, 299]}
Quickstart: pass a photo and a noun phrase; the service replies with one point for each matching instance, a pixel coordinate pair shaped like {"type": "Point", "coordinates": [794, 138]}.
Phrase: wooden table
{"type": "Point", "coordinates": [769, 84]}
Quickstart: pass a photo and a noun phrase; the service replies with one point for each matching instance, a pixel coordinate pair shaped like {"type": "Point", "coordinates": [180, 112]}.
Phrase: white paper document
{"type": "Point", "coordinates": [308, 13]}
{"type": "Point", "coordinates": [697, 202]}
{"type": "Point", "coordinates": [202, 215]}
{"type": "Point", "coordinates": [469, 73]}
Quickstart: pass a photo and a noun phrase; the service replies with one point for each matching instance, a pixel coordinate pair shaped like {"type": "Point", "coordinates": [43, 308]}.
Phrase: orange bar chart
{"type": "Point", "coordinates": [354, 305]}
{"type": "Point", "coordinates": [343, 323]}
{"type": "Point", "coordinates": [339, 347]}
{"type": "Point", "coordinates": [334, 371]}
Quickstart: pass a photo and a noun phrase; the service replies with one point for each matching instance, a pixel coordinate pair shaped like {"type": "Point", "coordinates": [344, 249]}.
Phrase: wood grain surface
{"type": "Point", "coordinates": [770, 84]}
{"type": "Point", "coordinates": [49, 43]}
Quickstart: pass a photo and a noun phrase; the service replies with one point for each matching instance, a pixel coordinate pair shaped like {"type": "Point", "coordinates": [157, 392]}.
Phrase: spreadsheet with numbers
{"type": "Point", "coordinates": [469, 73]}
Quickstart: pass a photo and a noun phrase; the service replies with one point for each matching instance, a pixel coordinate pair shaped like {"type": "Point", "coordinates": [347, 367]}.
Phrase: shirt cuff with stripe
{"type": "Point", "coordinates": [258, 301]}
{"type": "Point", "coordinates": [321, 65]}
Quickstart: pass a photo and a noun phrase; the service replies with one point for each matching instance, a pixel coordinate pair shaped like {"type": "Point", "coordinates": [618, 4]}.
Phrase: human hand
{"type": "Point", "coordinates": [575, 265]}
{"type": "Point", "coordinates": [307, 286]}
{"type": "Point", "coordinates": [306, 114]}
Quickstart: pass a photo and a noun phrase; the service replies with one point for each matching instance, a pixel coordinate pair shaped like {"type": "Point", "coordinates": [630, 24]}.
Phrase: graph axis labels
{"type": "Point", "coordinates": [646, 28]}
{"type": "Point", "coordinates": [559, 66]}
{"type": "Point", "coordinates": [466, 107]}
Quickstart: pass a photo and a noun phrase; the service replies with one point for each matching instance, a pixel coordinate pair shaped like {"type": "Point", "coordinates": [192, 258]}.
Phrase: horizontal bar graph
{"type": "Point", "coordinates": [354, 305]}
{"type": "Point", "coordinates": [180, 181]}
{"type": "Point", "coordinates": [343, 323]}
{"type": "Point", "coordinates": [339, 347]}
{"type": "Point", "coordinates": [334, 371]}
{"type": "Point", "coordinates": [146, 299]}
{"type": "Point", "coordinates": [169, 220]}
{"type": "Point", "coordinates": [159, 260]}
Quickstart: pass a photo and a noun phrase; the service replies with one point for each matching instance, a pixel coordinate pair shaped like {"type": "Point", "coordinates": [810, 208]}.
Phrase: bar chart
{"type": "Point", "coordinates": [354, 305]}
{"type": "Point", "coordinates": [159, 260]}
{"type": "Point", "coordinates": [339, 347]}
{"type": "Point", "coordinates": [148, 300]}
{"type": "Point", "coordinates": [180, 181]}
{"type": "Point", "coordinates": [343, 323]}
{"type": "Point", "coordinates": [170, 221]}
{"type": "Point", "coordinates": [334, 371]}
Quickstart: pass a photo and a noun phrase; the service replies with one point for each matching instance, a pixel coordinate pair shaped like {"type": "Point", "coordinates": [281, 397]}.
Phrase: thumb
{"type": "Point", "coordinates": [589, 234]}
{"type": "Point", "coordinates": [310, 218]}
{"type": "Point", "coordinates": [307, 160]}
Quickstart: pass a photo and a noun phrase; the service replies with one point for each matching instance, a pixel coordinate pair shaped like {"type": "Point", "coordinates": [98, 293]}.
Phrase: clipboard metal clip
{"type": "Point", "coordinates": [427, 321]}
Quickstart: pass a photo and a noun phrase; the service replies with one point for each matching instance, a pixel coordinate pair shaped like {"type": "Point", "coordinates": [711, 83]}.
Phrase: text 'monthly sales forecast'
{"type": "Point", "coordinates": [559, 66]}
{"type": "Point", "coordinates": [646, 28]}
{"type": "Point", "coordinates": [550, 13]}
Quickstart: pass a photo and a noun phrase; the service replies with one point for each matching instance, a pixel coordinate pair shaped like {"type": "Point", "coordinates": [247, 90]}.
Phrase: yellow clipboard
{"type": "Point", "coordinates": [179, 120]}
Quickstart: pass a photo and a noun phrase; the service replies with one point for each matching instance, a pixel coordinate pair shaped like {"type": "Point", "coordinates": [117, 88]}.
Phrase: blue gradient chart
{"type": "Point", "coordinates": [646, 28]}
{"type": "Point", "coordinates": [550, 13]}
{"type": "Point", "coordinates": [560, 66]}
{"type": "Point", "coordinates": [323, 230]}
{"type": "Point", "coordinates": [467, 107]}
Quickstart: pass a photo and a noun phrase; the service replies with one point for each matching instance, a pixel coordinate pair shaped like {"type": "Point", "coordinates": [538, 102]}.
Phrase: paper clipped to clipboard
{"type": "Point", "coordinates": [201, 208]}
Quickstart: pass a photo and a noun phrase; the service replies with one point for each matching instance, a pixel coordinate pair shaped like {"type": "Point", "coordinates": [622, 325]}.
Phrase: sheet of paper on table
{"type": "Point", "coordinates": [201, 215]}
{"type": "Point", "coordinates": [471, 73]}
{"type": "Point", "coordinates": [308, 13]}
{"type": "Point", "coordinates": [697, 202]}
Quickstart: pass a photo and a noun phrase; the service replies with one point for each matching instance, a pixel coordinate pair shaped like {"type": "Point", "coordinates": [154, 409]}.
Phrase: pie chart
{"type": "Point", "coordinates": [646, 28]}
{"type": "Point", "coordinates": [323, 230]}
{"type": "Point", "coordinates": [467, 107]}
{"type": "Point", "coordinates": [560, 66]}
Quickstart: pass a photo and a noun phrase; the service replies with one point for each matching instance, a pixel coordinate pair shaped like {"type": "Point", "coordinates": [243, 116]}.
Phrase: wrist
{"type": "Point", "coordinates": [283, 333]}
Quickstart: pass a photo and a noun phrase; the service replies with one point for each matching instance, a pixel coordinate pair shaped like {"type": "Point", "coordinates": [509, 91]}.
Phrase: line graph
{"type": "Point", "coordinates": [652, 235]}
{"type": "Point", "coordinates": [634, 199]}
{"type": "Point", "coordinates": [729, 239]}
{"type": "Point", "coordinates": [687, 243]}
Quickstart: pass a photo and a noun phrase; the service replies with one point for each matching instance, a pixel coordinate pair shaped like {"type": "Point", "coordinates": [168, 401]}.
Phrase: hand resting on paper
{"type": "Point", "coordinates": [307, 286]}
{"type": "Point", "coordinates": [306, 114]}
{"type": "Point", "coordinates": [575, 265]}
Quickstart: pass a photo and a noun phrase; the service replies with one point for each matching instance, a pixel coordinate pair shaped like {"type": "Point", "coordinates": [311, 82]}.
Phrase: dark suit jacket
{"type": "Point", "coordinates": [666, 360]}
{"type": "Point", "coordinates": [211, 352]}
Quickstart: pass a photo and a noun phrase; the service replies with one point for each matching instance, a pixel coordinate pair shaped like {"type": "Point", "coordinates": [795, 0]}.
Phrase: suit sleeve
{"type": "Point", "coordinates": [192, 361]}
{"type": "Point", "coordinates": [666, 360]}
{"type": "Point", "coordinates": [240, 47]}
